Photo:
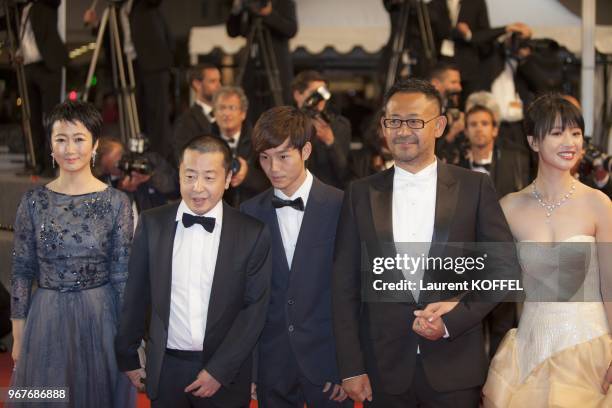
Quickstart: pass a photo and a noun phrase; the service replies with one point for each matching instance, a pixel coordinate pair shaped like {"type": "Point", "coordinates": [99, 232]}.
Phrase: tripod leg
{"type": "Point", "coordinates": [247, 55]}
{"type": "Point", "coordinates": [398, 45]}
{"type": "Point", "coordinates": [96, 54]}
{"type": "Point", "coordinates": [271, 66]}
{"type": "Point", "coordinates": [129, 115]}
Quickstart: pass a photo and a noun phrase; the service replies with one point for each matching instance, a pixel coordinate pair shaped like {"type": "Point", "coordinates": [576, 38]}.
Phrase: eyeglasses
{"type": "Point", "coordinates": [411, 123]}
{"type": "Point", "coordinates": [231, 108]}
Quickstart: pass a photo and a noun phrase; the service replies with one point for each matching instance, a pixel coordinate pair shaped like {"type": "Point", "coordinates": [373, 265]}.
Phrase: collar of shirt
{"type": "Point", "coordinates": [207, 110]}
{"type": "Point", "coordinates": [235, 137]}
{"type": "Point", "coordinates": [216, 212]}
{"type": "Point", "coordinates": [488, 160]}
{"type": "Point", "coordinates": [303, 191]}
{"type": "Point", "coordinates": [428, 174]}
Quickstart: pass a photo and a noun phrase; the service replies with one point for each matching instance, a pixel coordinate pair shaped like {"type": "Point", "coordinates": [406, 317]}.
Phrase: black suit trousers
{"type": "Point", "coordinates": [44, 92]}
{"type": "Point", "coordinates": [422, 395]}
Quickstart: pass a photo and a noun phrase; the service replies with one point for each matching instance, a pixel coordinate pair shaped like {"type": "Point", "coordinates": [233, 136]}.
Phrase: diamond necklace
{"type": "Point", "coordinates": [549, 208]}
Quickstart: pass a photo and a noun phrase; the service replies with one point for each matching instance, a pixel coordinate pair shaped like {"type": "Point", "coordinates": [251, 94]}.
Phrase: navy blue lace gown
{"type": "Point", "coordinates": [76, 248]}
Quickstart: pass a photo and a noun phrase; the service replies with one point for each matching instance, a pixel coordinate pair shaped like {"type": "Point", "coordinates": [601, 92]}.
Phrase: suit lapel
{"type": "Point", "coordinates": [447, 189]}
{"type": "Point", "coordinates": [381, 202]}
{"type": "Point", "coordinates": [271, 221]}
{"type": "Point", "coordinates": [223, 268]}
{"type": "Point", "coordinates": [200, 117]}
{"type": "Point", "coordinates": [164, 254]}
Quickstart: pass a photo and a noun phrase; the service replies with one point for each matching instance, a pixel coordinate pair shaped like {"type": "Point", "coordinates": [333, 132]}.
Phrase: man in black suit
{"type": "Point", "coordinates": [279, 18]}
{"type": "Point", "coordinates": [507, 165]}
{"type": "Point", "coordinates": [43, 54]}
{"type": "Point", "coordinates": [202, 269]}
{"type": "Point", "coordinates": [230, 107]}
{"type": "Point", "coordinates": [462, 32]}
{"type": "Point", "coordinates": [205, 80]}
{"type": "Point", "coordinates": [332, 139]}
{"type": "Point", "coordinates": [386, 356]}
{"type": "Point", "coordinates": [296, 351]}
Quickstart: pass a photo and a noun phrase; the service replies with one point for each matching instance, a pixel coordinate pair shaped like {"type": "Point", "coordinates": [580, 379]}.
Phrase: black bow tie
{"type": "Point", "coordinates": [298, 204]}
{"type": "Point", "coordinates": [207, 222]}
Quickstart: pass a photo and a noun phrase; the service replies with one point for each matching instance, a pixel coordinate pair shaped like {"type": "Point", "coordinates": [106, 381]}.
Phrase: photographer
{"type": "Point", "coordinates": [279, 18]}
{"type": "Point", "coordinates": [446, 78]}
{"type": "Point", "coordinates": [147, 179]}
{"type": "Point", "coordinates": [43, 54]}
{"type": "Point", "coordinates": [331, 145]}
{"type": "Point", "coordinates": [230, 106]}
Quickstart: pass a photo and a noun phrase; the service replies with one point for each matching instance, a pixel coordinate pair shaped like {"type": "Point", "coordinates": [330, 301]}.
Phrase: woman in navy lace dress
{"type": "Point", "coordinates": [72, 238]}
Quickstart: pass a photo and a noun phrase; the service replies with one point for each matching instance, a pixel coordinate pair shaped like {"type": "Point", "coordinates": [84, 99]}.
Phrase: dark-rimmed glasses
{"type": "Point", "coordinates": [394, 123]}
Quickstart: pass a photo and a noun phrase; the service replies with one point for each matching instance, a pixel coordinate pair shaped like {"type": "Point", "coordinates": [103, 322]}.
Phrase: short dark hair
{"type": "Point", "coordinates": [481, 108]}
{"type": "Point", "coordinates": [439, 70]}
{"type": "Point", "coordinates": [73, 111]}
{"type": "Point", "coordinates": [414, 85]}
{"type": "Point", "coordinates": [275, 125]}
{"type": "Point", "coordinates": [542, 115]}
{"type": "Point", "coordinates": [209, 144]}
{"type": "Point", "coordinates": [196, 73]}
{"type": "Point", "coordinates": [303, 79]}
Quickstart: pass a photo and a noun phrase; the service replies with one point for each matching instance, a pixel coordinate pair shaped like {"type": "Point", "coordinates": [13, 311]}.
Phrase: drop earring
{"type": "Point", "coordinates": [93, 159]}
{"type": "Point", "coordinates": [52, 161]}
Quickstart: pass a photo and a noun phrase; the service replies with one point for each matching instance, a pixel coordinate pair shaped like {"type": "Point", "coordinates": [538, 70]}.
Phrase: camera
{"type": "Point", "coordinates": [594, 157]}
{"type": "Point", "coordinates": [452, 105]}
{"type": "Point", "coordinates": [310, 104]}
{"type": "Point", "coordinates": [138, 163]}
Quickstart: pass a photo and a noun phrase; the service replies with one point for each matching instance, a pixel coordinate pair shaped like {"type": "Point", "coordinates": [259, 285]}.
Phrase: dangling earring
{"type": "Point", "coordinates": [52, 161]}
{"type": "Point", "coordinates": [93, 159]}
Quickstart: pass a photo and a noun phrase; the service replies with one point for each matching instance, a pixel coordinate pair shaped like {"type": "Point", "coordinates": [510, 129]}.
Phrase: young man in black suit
{"type": "Point", "coordinates": [205, 80]}
{"type": "Point", "coordinates": [296, 351]}
{"type": "Point", "coordinates": [386, 355]}
{"type": "Point", "coordinates": [203, 270]}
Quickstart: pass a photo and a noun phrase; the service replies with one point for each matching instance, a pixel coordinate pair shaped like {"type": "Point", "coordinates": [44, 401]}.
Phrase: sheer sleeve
{"type": "Point", "coordinates": [25, 260]}
{"type": "Point", "coordinates": [121, 236]}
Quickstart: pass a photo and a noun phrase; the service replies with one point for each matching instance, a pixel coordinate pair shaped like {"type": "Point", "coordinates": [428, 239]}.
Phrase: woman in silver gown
{"type": "Point", "coordinates": [72, 237]}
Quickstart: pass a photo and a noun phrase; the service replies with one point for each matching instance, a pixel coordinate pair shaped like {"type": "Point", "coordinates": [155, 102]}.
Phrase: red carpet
{"type": "Point", "coordinates": [6, 366]}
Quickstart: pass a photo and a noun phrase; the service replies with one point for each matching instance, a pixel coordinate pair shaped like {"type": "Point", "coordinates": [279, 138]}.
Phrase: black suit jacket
{"type": "Point", "coordinates": [377, 337]}
{"type": "Point", "coordinates": [510, 169]}
{"type": "Point", "coordinates": [237, 308]}
{"type": "Point", "coordinates": [301, 292]}
{"type": "Point", "coordinates": [331, 163]}
{"type": "Point", "coordinates": [43, 17]}
{"type": "Point", "coordinates": [151, 37]}
{"type": "Point", "coordinates": [192, 123]}
{"type": "Point", "coordinates": [467, 53]}
{"type": "Point", "coordinates": [256, 180]}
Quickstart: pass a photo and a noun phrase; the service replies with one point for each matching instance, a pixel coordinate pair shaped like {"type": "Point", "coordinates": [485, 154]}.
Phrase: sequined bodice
{"type": "Point", "coordinates": [70, 243]}
{"type": "Point", "coordinates": [561, 272]}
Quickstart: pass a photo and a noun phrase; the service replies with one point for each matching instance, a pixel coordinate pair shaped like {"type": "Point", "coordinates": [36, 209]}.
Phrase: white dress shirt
{"type": "Point", "coordinates": [29, 48]}
{"type": "Point", "coordinates": [290, 219]}
{"type": "Point", "coordinates": [414, 211]}
{"type": "Point", "coordinates": [232, 140]}
{"type": "Point", "coordinates": [194, 256]}
{"type": "Point", "coordinates": [504, 92]}
{"type": "Point", "coordinates": [414, 207]}
{"type": "Point", "coordinates": [208, 111]}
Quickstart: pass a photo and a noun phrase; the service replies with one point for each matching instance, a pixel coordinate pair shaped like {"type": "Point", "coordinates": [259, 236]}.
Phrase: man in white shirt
{"type": "Point", "coordinates": [205, 80]}
{"type": "Point", "coordinates": [203, 271]}
{"type": "Point", "coordinates": [405, 348]}
{"type": "Point", "coordinates": [296, 351]}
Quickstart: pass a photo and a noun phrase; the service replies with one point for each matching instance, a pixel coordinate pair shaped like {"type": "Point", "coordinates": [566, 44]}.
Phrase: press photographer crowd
{"type": "Point", "coordinates": [219, 253]}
